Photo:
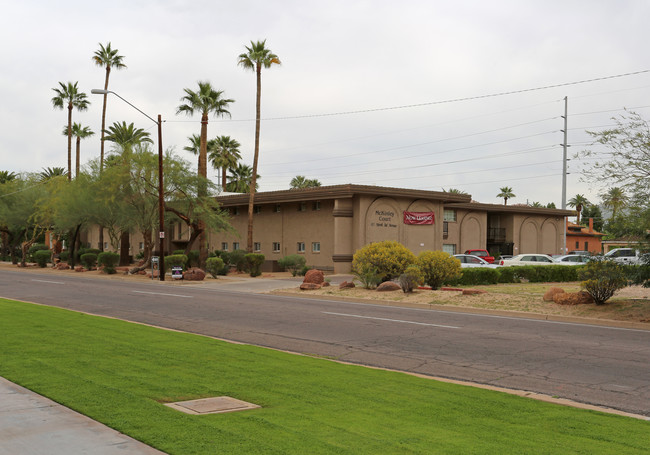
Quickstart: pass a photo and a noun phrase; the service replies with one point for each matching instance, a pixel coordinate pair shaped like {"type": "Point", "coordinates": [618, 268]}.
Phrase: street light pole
{"type": "Point", "coordinates": [161, 202]}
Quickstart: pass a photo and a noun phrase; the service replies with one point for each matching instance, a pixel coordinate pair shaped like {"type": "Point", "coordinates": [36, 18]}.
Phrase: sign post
{"type": "Point", "coordinates": [155, 265]}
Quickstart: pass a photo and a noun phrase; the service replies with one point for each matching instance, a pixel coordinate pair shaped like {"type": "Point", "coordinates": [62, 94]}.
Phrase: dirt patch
{"type": "Point", "coordinates": [629, 304]}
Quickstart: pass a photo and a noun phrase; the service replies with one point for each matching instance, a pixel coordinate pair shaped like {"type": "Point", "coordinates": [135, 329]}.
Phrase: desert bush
{"type": "Point", "coordinates": [254, 263]}
{"type": "Point", "coordinates": [438, 267]}
{"type": "Point", "coordinates": [236, 259]}
{"type": "Point", "coordinates": [89, 260]}
{"type": "Point", "coordinates": [368, 276]}
{"type": "Point", "coordinates": [411, 278]}
{"type": "Point", "coordinates": [33, 249]}
{"type": "Point", "coordinates": [388, 258]}
{"type": "Point", "coordinates": [214, 266]}
{"type": "Point", "coordinates": [303, 271]}
{"type": "Point", "coordinates": [293, 263]}
{"type": "Point", "coordinates": [108, 260]}
{"type": "Point", "coordinates": [42, 257]}
{"type": "Point", "coordinates": [175, 260]}
{"type": "Point", "coordinates": [601, 279]}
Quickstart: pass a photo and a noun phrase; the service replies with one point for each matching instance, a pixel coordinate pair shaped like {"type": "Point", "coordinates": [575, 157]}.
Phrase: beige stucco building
{"type": "Point", "coordinates": [328, 224]}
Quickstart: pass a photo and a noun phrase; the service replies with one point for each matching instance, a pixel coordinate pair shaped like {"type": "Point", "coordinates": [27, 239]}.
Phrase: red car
{"type": "Point", "coordinates": [483, 254]}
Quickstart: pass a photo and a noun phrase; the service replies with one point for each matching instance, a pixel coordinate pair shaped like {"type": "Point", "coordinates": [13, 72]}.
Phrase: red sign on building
{"type": "Point", "coordinates": [418, 218]}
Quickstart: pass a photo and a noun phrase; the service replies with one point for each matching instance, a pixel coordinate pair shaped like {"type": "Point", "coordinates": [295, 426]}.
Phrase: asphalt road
{"type": "Point", "coordinates": [604, 366]}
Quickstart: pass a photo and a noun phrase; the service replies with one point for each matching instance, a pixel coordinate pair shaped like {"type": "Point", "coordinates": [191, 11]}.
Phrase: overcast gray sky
{"type": "Point", "coordinates": [338, 58]}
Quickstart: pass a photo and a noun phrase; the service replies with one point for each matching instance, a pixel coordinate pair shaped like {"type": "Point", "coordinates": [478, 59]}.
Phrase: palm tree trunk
{"type": "Point", "coordinates": [223, 178]}
{"type": "Point", "coordinates": [76, 166]}
{"type": "Point", "coordinates": [124, 249]}
{"type": "Point", "coordinates": [202, 190]}
{"type": "Point", "coordinates": [101, 153]}
{"type": "Point", "coordinates": [251, 199]}
{"type": "Point", "coordinates": [69, 141]}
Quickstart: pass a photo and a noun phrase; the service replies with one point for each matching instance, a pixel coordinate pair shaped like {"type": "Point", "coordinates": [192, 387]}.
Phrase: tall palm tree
{"type": "Point", "coordinates": [225, 156]}
{"type": "Point", "coordinates": [126, 136]}
{"type": "Point", "coordinates": [7, 176]}
{"type": "Point", "coordinates": [204, 101]}
{"type": "Point", "coordinates": [506, 193]}
{"type": "Point", "coordinates": [256, 57]}
{"type": "Point", "coordinates": [106, 58]}
{"type": "Point", "coordinates": [300, 181]}
{"type": "Point", "coordinates": [68, 96]}
{"type": "Point", "coordinates": [615, 199]}
{"type": "Point", "coordinates": [578, 201]}
{"type": "Point", "coordinates": [240, 179]}
{"type": "Point", "coordinates": [195, 145]}
{"type": "Point", "coordinates": [79, 132]}
{"type": "Point", "coordinates": [453, 191]}
{"type": "Point", "coordinates": [50, 172]}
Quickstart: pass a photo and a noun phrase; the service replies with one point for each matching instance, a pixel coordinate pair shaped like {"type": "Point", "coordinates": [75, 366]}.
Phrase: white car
{"type": "Point", "coordinates": [572, 259]}
{"type": "Point", "coordinates": [470, 261]}
{"type": "Point", "coordinates": [528, 259]}
{"type": "Point", "coordinates": [624, 256]}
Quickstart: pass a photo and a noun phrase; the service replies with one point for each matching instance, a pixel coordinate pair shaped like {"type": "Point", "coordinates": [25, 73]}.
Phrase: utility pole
{"type": "Point", "coordinates": [564, 160]}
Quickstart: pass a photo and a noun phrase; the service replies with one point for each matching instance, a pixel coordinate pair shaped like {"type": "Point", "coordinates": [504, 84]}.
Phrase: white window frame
{"type": "Point", "coordinates": [449, 248]}
{"type": "Point", "coordinates": [449, 215]}
{"type": "Point", "coordinates": [224, 246]}
{"type": "Point", "coordinates": [315, 247]}
{"type": "Point", "coordinates": [276, 247]}
{"type": "Point", "coordinates": [257, 246]}
{"type": "Point", "coordinates": [235, 246]}
{"type": "Point", "coordinates": [301, 247]}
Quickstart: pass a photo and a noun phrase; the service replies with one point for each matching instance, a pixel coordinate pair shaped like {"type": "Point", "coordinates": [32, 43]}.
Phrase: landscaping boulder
{"type": "Point", "coordinates": [310, 286]}
{"type": "Point", "coordinates": [314, 276]}
{"type": "Point", "coordinates": [79, 268]}
{"type": "Point", "coordinates": [194, 274]}
{"type": "Point", "coordinates": [549, 295]}
{"type": "Point", "coordinates": [571, 298]}
{"type": "Point", "coordinates": [388, 286]}
{"type": "Point", "coordinates": [346, 284]}
{"type": "Point", "coordinates": [62, 266]}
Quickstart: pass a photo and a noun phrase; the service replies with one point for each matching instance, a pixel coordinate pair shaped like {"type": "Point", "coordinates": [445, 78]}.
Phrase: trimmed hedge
{"type": "Point", "coordinates": [42, 257]}
{"type": "Point", "coordinates": [109, 260]}
{"type": "Point", "coordinates": [254, 263]}
{"type": "Point", "coordinates": [214, 266]}
{"type": "Point", "coordinates": [533, 273]}
{"type": "Point", "coordinates": [175, 260]}
{"type": "Point", "coordinates": [89, 260]}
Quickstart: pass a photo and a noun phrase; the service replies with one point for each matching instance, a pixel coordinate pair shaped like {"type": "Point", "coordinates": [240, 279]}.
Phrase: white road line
{"type": "Point", "coordinates": [391, 320]}
{"type": "Point", "coordinates": [52, 282]}
{"type": "Point", "coordinates": [168, 295]}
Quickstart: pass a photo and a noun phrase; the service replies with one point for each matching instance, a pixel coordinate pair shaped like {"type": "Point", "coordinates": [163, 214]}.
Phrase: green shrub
{"type": "Point", "coordinates": [108, 260]}
{"type": "Point", "coordinates": [42, 257]}
{"type": "Point", "coordinates": [368, 276]}
{"type": "Point", "coordinates": [388, 258]}
{"type": "Point", "coordinates": [508, 275]}
{"type": "Point", "coordinates": [479, 276]}
{"type": "Point", "coordinates": [33, 249]}
{"type": "Point", "coordinates": [303, 271]}
{"type": "Point", "coordinates": [601, 279]}
{"type": "Point", "coordinates": [236, 259]}
{"type": "Point", "coordinates": [438, 267]}
{"type": "Point", "coordinates": [64, 256]}
{"type": "Point", "coordinates": [89, 260]}
{"type": "Point", "coordinates": [547, 273]}
{"type": "Point", "coordinates": [292, 263]}
{"type": "Point", "coordinates": [81, 251]}
{"type": "Point", "coordinates": [254, 263]}
{"type": "Point", "coordinates": [175, 260]}
{"type": "Point", "coordinates": [411, 278]}
{"type": "Point", "coordinates": [214, 266]}
{"type": "Point", "coordinates": [192, 257]}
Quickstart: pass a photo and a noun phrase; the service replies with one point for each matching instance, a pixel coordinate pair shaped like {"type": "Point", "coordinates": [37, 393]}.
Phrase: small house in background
{"type": "Point", "coordinates": [583, 238]}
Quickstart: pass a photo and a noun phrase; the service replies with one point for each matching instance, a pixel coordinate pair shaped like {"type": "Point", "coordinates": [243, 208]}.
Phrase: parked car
{"type": "Point", "coordinates": [624, 256]}
{"type": "Point", "coordinates": [580, 252]}
{"type": "Point", "coordinates": [470, 261]}
{"type": "Point", "coordinates": [528, 259]}
{"type": "Point", "coordinates": [572, 259]}
{"type": "Point", "coordinates": [483, 254]}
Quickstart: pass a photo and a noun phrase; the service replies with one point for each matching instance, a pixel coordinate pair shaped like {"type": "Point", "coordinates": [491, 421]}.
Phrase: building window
{"type": "Point", "coordinates": [257, 209]}
{"type": "Point", "coordinates": [257, 246]}
{"type": "Point", "coordinates": [301, 247]}
{"type": "Point", "coordinates": [276, 247]}
{"type": "Point", "coordinates": [586, 246]}
{"type": "Point", "coordinates": [276, 209]}
{"type": "Point", "coordinates": [577, 245]}
{"type": "Point", "coordinates": [315, 247]}
{"type": "Point", "coordinates": [235, 210]}
{"type": "Point", "coordinates": [449, 248]}
{"type": "Point", "coordinates": [302, 207]}
{"type": "Point", "coordinates": [445, 229]}
{"type": "Point", "coordinates": [224, 246]}
{"type": "Point", "coordinates": [235, 246]}
{"type": "Point", "coordinates": [449, 215]}
{"type": "Point", "coordinates": [316, 205]}
{"type": "Point", "coordinates": [141, 246]}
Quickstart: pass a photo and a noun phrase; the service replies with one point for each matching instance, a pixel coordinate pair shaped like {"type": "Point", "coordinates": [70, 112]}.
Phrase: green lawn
{"type": "Point", "coordinates": [119, 373]}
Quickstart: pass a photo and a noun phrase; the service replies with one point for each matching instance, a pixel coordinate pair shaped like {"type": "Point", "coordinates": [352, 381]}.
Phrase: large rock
{"type": "Point", "coordinates": [194, 274]}
{"type": "Point", "coordinates": [62, 266]}
{"type": "Point", "coordinates": [550, 294]}
{"type": "Point", "coordinates": [346, 285]}
{"type": "Point", "coordinates": [388, 286]}
{"type": "Point", "coordinates": [570, 298]}
{"type": "Point", "coordinates": [79, 268]}
{"type": "Point", "coordinates": [310, 286]}
{"type": "Point", "coordinates": [314, 276]}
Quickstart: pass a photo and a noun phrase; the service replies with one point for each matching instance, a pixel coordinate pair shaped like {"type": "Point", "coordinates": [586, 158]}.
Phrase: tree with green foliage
{"type": "Point", "coordinates": [225, 156]}
{"type": "Point", "coordinates": [506, 193]}
{"type": "Point", "coordinates": [50, 173]}
{"type": "Point", "coordinates": [614, 199]}
{"type": "Point", "coordinates": [256, 57]}
{"type": "Point", "coordinates": [6, 176]}
{"type": "Point", "coordinates": [126, 136]}
{"type": "Point", "coordinates": [578, 201]}
{"type": "Point", "coordinates": [300, 181]}
{"type": "Point", "coordinates": [592, 211]}
{"type": "Point", "coordinates": [438, 267]}
{"type": "Point", "coordinates": [108, 58]}
{"type": "Point", "coordinates": [79, 132]}
{"type": "Point", "coordinates": [69, 97]}
{"type": "Point", "coordinates": [240, 179]}
{"type": "Point", "coordinates": [204, 101]}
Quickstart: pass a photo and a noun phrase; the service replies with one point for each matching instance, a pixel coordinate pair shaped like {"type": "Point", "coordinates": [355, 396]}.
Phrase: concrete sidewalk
{"type": "Point", "coordinates": [34, 425]}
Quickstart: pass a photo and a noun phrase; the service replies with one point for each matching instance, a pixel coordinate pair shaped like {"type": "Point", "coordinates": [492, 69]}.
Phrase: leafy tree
{"type": "Point", "coordinates": [6, 176]}
{"type": "Point", "coordinates": [578, 201]}
{"type": "Point", "coordinates": [224, 155]}
{"type": "Point", "coordinates": [536, 204]}
{"type": "Point", "coordinates": [108, 58]}
{"type": "Point", "coordinates": [51, 172]}
{"type": "Point", "coordinates": [614, 199]}
{"type": "Point", "coordinates": [592, 211]}
{"type": "Point", "coordinates": [454, 191]}
{"type": "Point", "coordinates": [256, 57]}
{"type": "Point", "coordinates": [205, 100]}
{"type": "Point", "coordinates": [240, 179]}
{"type": "Point", "coordinates": [506, 193]}
{"type": "Point", "coordinates": [69, 97]}
{"type": "Point", "coordinates": [79, 132]}
{"type": "Point", "coordinates": [550, 205]}
{"type": "Point", "coordinates": [300, 181]}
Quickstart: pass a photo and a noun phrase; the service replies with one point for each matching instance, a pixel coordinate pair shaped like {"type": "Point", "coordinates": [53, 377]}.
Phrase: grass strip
{"type": "Point", "coordinates": [119, 373]}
